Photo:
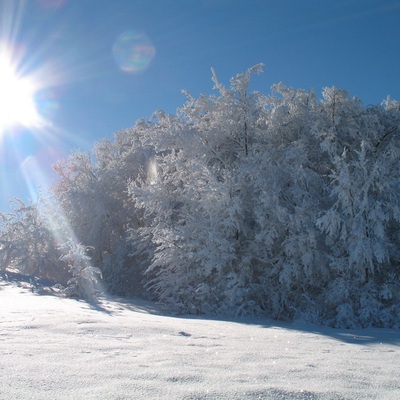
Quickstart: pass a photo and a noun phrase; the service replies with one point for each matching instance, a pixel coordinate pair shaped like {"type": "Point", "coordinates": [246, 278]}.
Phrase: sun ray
{"type": "Point", "coordinates": [11, 16]}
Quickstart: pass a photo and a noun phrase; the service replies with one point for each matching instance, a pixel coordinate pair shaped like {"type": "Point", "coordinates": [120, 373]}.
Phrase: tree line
{"type": "Point", "coordinates": [284, 205]}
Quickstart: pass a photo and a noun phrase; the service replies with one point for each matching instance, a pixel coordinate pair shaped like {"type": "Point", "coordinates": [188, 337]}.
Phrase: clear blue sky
{"type": "Point", "coordinates": [91, 86]}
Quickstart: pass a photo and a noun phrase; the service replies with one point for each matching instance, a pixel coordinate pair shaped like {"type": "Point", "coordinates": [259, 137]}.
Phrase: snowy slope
{"type": "Point", "coordinates": [52, 348]}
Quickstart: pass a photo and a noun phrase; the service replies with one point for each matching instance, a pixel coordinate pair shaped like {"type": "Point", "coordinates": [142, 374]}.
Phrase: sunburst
{"type": "Point", "coordinates": [17, 97]}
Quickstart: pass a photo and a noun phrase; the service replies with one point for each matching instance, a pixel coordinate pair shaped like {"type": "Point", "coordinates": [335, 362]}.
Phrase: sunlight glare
{"type": "Point", "coordinates": [17, 98]}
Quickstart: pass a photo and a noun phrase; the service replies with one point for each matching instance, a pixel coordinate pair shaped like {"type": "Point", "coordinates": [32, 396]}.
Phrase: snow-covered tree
{"type": "Point", "coordinates": [85, 277]}
{"type": "Point", "coordinates": [28, 244]}
{"type": "Point", "coordinates": [92, 194]}
{"type": "Point", "coordinates": [364, 212]}
{"type": "Point", "coordinates": [241, 203]}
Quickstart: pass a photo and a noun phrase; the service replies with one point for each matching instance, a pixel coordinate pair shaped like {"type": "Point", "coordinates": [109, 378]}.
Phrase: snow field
{"type": "Point", "coordinates": [53, 348]}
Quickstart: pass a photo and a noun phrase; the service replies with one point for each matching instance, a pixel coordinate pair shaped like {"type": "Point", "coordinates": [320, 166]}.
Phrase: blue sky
{"type": "Point", "coordinates": [89, 86]}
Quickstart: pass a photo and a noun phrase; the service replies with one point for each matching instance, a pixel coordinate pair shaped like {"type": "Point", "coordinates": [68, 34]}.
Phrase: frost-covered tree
{"type": "Point", "coordinates": [195, 207]}
{"type": "Point", "coordinates": [92, 194]}
{"type": "Point", "coordinates": [84, 282]}
{"type": "Point", "coordinates": [363, 216]}
{"type": "Point", "coordinates": [235, 200]}
{"type": "Point", "coordinates": [242, 206]}
{"type": "Point", "coordinates": [242, 203]}
{"type": "Point", "coordinates": [27, 242]}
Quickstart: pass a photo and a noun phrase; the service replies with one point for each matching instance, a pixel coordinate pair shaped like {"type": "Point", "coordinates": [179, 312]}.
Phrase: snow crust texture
{"type": "Point", "coordinates": [52, 348]}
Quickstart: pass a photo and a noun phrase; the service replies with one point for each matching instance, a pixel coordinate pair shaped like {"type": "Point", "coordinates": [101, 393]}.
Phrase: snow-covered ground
{"type": "Point", "coordinates": [53, 348]}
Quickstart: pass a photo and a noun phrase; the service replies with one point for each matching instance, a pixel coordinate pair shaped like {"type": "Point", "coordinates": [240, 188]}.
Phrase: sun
{"type": "Point", "coordinates": [17, 98]}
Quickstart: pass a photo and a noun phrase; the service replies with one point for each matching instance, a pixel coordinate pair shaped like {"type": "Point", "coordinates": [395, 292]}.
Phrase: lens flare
{"type": "Point", "coordinates": [133, 51]}
{"type": "Point", "coordinates": [46, 103]}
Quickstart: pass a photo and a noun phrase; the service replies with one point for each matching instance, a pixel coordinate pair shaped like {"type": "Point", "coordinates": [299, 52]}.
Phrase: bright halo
{"type": "Point", "coordinates": [17, 98]}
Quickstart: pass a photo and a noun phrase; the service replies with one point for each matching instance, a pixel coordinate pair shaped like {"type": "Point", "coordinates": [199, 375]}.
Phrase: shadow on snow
{"type": "Point", "coordinates": [114, 305]}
